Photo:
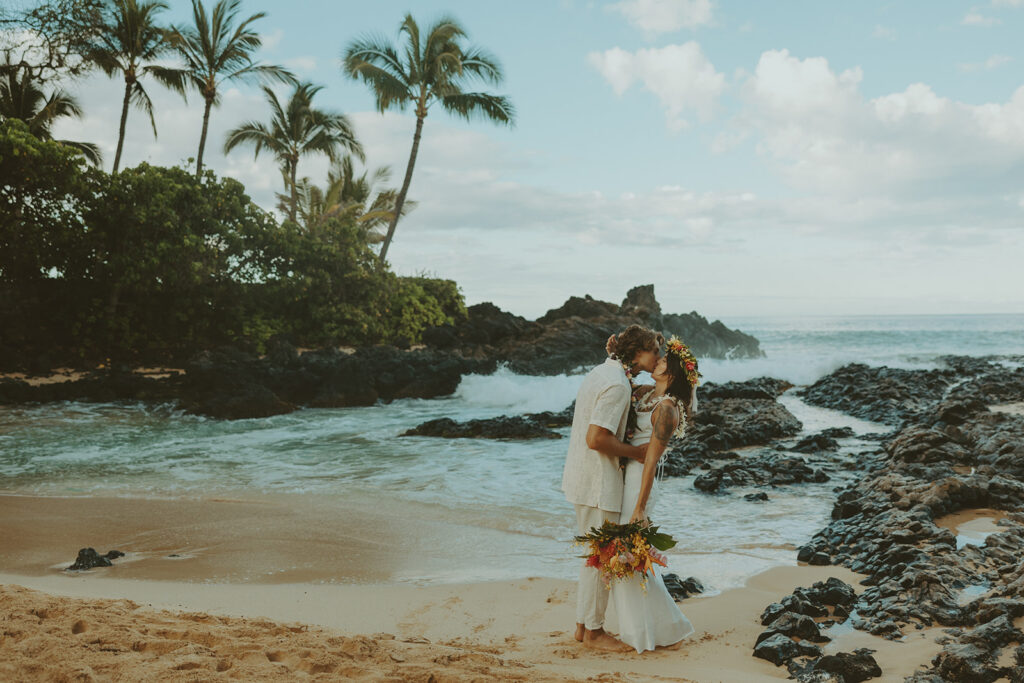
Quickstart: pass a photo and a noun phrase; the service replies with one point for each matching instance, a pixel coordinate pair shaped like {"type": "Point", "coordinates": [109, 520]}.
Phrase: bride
{"type": "Point", "coordinates": [646, 619]}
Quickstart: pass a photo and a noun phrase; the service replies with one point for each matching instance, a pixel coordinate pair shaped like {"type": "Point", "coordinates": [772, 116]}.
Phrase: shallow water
{"type": "Point", "coordinates": [154, 451]}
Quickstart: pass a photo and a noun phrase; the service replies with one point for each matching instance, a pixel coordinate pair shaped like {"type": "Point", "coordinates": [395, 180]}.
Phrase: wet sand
{"type": "Point", "coordinates": [224, 609]}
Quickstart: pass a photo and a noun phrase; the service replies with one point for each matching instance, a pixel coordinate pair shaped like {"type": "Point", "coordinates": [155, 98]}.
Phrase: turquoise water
{"type": "Point", "coordinates": [803, 349]}
{"type": "Point", "coordinates": [154, 451]}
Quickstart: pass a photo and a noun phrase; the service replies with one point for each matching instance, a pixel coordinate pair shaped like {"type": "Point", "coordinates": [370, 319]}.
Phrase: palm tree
{"type": "Point", "coordinates": [295, 130]}
{"type": "Point", "coordinates": [424, 73]}
{"type": "Point", "coordinates": [358, 197]}
{"type": "Point", "coordinates": [21, 98]}
{"type": "Point", "coordinates": [129, 43]}
{"type": "Point", "coordinates": [216, 50]}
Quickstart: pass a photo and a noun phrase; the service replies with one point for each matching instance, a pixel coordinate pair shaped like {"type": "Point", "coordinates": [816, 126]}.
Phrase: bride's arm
{"type": "Point", "coordinates": [665, 419]}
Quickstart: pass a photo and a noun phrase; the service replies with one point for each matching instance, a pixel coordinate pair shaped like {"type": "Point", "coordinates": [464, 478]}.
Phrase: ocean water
{"type": "Point", "coordinates": [81, 449]}
{"type": "Point", "coordinates": [803, 349]}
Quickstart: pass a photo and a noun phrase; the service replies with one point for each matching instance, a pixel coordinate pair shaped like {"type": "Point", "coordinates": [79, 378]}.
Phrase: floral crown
{"type": "Point", "coordinates": [686, 359]}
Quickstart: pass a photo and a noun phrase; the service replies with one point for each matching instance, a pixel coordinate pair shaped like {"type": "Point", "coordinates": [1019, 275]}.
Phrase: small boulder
{"type": "Point", "coordinates": [89, 558]}
{"type": "Point", "coordinates": [815, 444]}
{"type": "Point", "coordinates": [853, 668]}
{"type": "Point", "coordinates": [777, 649]}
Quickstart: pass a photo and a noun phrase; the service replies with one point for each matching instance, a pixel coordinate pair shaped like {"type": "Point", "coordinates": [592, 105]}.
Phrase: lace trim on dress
{"type": "Point", "coordinates": [645, 405]}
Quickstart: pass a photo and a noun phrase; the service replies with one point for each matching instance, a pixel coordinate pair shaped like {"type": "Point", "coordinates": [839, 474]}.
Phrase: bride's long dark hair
{"type": "Point", "coordinates": [680, 386]}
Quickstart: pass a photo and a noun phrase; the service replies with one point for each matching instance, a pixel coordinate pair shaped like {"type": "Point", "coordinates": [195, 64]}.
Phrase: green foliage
{"type": "Point", "coordinates": [22, 98]}
{"type": "Point", "coordinates": [446, 293]}
{"type": "Point", "coordinates": [155, 263]}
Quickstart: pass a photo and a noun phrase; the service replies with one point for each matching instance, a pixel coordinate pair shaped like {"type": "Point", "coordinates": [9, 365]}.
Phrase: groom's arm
{"type": "Point", "coordinates": [607, 417]}
{"type": "Point", "coordinates": [606, 443]}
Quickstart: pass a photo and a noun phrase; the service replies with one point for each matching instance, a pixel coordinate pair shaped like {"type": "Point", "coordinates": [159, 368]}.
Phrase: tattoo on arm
{"type": "Point", "coordinates": [666, 423]}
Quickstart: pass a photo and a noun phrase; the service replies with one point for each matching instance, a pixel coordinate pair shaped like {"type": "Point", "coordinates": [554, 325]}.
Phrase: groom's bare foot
{"type": "Point", "coordinates": [599, 640]}
{"type": "Point", "coordinates": [580, 630]}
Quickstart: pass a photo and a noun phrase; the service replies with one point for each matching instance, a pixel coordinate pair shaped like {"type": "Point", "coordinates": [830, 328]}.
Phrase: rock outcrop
{"type": "Point", "coordinates": [231, 384]}
{"type": "Point", "coordinates": [573, 335]}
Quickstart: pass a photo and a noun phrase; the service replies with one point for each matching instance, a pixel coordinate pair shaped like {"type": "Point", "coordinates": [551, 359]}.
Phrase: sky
{"type": "Point", "coordinates": [747, 158]}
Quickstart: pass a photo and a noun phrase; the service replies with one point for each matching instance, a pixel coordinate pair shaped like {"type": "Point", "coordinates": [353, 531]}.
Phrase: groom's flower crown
{"type": "Point", "coordinates": [686, 359]}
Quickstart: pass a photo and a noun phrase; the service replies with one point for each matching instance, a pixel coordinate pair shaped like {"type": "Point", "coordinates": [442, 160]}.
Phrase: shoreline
{"type": "Point", "coordinates": [246, 561]}
{"type": "Point", "coordinates": [222, 595]}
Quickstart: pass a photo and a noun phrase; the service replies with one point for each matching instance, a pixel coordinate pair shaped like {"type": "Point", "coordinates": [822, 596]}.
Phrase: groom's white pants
{"type": "Point", "coordinates": [592, 596]}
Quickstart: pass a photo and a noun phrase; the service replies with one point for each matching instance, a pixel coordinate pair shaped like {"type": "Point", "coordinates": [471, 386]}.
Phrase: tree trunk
{"type": "Point", "coordinates": [202, 138]}
{"type": "Point", "coordinates": [124, 120]}
{"type": "Point", "coordinates": [293, 170]}
{"type": "Point", "coordinates": [400, 200]}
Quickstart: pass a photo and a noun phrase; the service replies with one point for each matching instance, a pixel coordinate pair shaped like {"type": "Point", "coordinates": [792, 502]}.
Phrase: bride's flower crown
{"type": "Point", "coordinates": [686, 359]}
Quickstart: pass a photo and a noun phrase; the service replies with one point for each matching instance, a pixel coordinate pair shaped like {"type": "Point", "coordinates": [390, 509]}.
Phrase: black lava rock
{"type": "Point", "coordinates": [88, 558]}
{"type": "Point", "coordinates": [854, 668]}
{"type": "Point", "coordinates": [493, 428]}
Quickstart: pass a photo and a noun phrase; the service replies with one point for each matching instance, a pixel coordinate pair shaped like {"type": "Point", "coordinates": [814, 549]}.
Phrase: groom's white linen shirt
{"type": "Point", "coordinates": [590, 477]}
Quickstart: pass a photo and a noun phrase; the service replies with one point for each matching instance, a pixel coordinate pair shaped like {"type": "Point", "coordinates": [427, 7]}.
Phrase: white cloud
{"type": "Point", "coordinates": [680, 76]}
{"type": "Point", "coordinates": [787, 84]}
{"type": "Point", "coordinates": [824, 135]}
{"type": "Point", "coordinates": [273, 39]}
{"type": "Point", "coordinates": [305, 64]}
{"type": "Point", "coordinates": [884, 32]}
{"type": "Point", "coordinates": [975, 18]}
{"type": "Point", "coordinates": [1008, 3]}
{"type": "Point", "coordinates": [665, 16]}
{"type": "Point", "coordinates": [993, 62]}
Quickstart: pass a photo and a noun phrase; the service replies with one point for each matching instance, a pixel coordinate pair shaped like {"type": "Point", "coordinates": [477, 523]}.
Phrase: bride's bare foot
{"type": "Point", "coordinates": [599, 640]}
{"type": "Point", "coordinates": [580, 630]}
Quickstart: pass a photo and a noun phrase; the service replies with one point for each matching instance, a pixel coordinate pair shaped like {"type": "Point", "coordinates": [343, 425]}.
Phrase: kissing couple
{"type": "Point", "coordinates": [616, 421]}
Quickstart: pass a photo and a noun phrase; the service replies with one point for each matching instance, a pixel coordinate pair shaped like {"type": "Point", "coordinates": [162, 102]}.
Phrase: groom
{"type": "Point", "coordinates": [592, 480]}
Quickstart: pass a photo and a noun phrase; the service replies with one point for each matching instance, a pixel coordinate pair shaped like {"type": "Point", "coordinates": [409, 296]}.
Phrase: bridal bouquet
{"type": "Point", "coordinates": [619, 551]}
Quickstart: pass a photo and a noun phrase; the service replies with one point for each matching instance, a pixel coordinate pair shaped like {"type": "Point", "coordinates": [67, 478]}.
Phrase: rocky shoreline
{"type": "Point", "coordinates": [233, 384]}
{"type": "Point", "coordinates": [947, 453]}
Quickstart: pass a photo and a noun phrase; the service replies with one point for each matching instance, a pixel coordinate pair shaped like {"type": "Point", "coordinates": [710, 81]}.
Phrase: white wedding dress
{"type": "Point", "coordinates": [643, 620]}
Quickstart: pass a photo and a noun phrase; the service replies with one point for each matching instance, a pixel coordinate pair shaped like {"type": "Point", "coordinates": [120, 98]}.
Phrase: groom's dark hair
{"type": "Point", "coordinates": [632, 340]}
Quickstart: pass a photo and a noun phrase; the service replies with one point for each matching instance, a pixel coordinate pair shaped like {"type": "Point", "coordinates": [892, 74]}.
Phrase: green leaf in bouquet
{"type": "Point", "coordinates": [661, 541]}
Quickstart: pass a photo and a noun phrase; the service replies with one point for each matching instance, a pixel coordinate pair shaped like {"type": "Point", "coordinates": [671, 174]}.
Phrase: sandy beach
{"type": "Point", "coordinates": [222, 608]}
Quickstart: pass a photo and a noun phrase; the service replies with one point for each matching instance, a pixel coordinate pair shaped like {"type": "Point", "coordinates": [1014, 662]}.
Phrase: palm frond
{"type": "Point", "coordinates": [389, 91]}
{"type": "Point", "coordinates": [485, 66]}
{"type": "Point", "coordinates": [264, 71]}
{"type": "Point", "coordinates": [375, 50]}
{"type": "Point", "coordinates": [174, 79]}
{"type": "Point", "coordinates": [442, 35]}
{"type": "Point", "coordinates": [471, 105]}
{"type": "Point", "coordinates": [140, 98]}
{"type": "Point", "coordinates": [88, 150]}
{"type": "Point", "coordinates": [249, 133]}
